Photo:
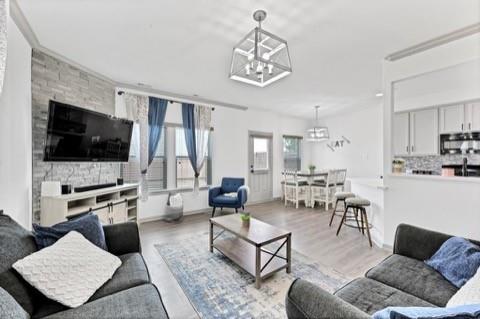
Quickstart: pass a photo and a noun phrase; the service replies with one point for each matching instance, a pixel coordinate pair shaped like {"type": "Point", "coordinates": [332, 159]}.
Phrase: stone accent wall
{"type": "Point", "coordinates": [53, 79]}
{"type": "Point", "coordinates": [435, 162]}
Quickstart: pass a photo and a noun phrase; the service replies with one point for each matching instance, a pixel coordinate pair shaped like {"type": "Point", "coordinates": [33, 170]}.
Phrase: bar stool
{"type": "Point", "coordinates": [340, 197]}
{"type": "Point", "coordinates": [358, 205]}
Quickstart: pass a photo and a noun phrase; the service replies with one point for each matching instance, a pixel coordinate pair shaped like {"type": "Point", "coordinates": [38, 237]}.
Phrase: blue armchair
{"type": "Point", "coordinates": [217, 195]}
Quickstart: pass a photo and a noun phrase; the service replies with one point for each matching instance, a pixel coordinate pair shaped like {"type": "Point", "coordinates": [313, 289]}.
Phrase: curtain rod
{"type": "Point", "coordinates": [121, 92]}
{"type": "Point", "coordinates": [178, 98]}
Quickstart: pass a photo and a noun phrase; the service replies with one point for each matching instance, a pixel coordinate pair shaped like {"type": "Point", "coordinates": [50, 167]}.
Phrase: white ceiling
{"type": "Point", "coordinates": [185, 46]}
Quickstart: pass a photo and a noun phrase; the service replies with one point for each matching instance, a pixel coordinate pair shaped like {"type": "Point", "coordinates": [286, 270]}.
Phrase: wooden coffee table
{"type": "Point", "coordinates": [246, 248]}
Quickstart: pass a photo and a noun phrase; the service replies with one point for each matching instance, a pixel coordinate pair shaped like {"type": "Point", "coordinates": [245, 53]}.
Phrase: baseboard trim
{"type": "Point", "coordinates": [161, 217]}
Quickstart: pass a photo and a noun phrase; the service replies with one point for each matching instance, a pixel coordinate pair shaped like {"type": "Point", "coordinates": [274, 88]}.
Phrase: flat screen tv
{"type": "Point", "coordinates": [75, 134]}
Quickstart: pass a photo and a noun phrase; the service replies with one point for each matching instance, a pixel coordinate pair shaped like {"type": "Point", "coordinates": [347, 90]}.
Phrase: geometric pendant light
{"type": "Point", "coordinates": [317, 133]}
{"type": "Point", "coordinates": [261, 57]}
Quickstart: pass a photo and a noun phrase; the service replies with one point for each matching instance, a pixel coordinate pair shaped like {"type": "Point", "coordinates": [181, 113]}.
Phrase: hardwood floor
{"type": "Point", "coordinates": [349, 253]}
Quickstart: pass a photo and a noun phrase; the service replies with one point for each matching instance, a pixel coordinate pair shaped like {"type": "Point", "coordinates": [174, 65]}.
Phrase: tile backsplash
{"type": "Point", "coordinates": [435, 162]}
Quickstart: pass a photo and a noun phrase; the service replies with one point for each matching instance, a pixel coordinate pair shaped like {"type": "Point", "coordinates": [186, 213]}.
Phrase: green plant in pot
{"type": "Point", "coordinates": [311, 168]}
{"type": "Point", "coordinates": [245, 217]}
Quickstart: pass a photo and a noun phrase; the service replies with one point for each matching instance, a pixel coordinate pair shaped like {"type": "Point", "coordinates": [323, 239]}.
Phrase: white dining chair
{"type": "Point", "coordinates": [295, 188]}
{"type": "Point", "coordinates": [324, 192]}
{"type": "Point", "coordinates": [341, 177]}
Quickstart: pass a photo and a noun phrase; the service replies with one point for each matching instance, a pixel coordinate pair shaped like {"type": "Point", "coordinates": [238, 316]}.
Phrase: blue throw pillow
{"type": "Point", "coordinates": [88, 225]}
{"type": "Point", "coordinates": [458, 312]}
{"type": "Point", "coordinates": [457, 260]}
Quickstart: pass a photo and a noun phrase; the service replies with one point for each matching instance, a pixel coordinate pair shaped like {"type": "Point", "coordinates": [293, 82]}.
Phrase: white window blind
{"type": "Point", "coordinates": [292, 154]}
{"type": "Point", "coordinates": [156, 174]}
{"type": "Point", "coordinates": [184, 170]}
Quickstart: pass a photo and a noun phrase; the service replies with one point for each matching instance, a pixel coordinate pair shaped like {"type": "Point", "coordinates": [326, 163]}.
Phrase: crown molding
{"type": "Point", "coordinates": [22, 23]}
{"type": "Point", "coordinates": [435, 42]}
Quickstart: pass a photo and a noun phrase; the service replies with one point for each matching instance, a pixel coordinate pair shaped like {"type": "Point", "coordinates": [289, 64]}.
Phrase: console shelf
{"type": "Point", "coordinates": [115, 204]}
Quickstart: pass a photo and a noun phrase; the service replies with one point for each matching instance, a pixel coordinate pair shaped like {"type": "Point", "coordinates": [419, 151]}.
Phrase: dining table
{"type": "Point", "coordinates": [311, 177]}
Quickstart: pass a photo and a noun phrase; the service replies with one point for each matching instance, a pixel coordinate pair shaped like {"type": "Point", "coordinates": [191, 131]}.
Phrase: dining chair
{"type": "Point", "coordinates": [324, 192]}
{"type": "Point", "coordinates": [341, 177]}
{"type": "Point", "coordinates": [295, 188]}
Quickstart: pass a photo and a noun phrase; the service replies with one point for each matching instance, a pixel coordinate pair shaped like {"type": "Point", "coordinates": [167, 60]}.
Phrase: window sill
{"type": "Point", "coordinates": [176, 190]}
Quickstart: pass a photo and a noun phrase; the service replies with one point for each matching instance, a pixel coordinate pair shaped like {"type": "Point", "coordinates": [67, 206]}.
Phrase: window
{"type": "Point", "coordinates": [184, 171]}
{"type": "Point", "coordinates": [292, 154]}
{"type": "Point", "coordinates": [157, 171]}
{"type": "Point", "coordinates": [171, 168]}
{"type": "Point", "coordinates": [260, 153]}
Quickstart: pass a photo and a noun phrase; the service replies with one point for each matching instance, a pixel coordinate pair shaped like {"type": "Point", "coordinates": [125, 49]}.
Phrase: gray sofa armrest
{"type": "Point", "coordinates": [416, 242]}
{"type": "Point", "coordinates": [305, 300]}
{"type": "Point", "coordinates": [122, 238]}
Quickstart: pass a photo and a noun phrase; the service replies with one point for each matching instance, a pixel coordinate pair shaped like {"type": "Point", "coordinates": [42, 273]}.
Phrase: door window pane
{"type": "Point", "coordinates": [260, 153]}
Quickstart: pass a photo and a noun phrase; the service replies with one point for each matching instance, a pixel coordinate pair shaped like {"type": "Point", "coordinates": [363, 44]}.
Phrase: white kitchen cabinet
{"type": "Point", "coordinates": [424, 132]}
{"type": "Point", "coordinates": [452, 119]}
{"type": "Point", "coordinates": [472, 119]}
{"type": "Point", "coordinates": [401, 134]}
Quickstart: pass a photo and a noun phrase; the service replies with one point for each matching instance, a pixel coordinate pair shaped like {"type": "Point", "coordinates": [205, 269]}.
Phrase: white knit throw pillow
{"type": "Point", "coordinates": [468, 294]}
{"type": "Point", "coordinates": [69, 271]}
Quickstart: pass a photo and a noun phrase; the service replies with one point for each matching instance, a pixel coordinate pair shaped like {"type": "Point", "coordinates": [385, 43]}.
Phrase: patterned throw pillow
{"type": "Point", "coordinates": [88, 225]}
{"type": "Point", "coordinates": [457, 260]}
{"type": "Point", "coordinates": [69, 271]}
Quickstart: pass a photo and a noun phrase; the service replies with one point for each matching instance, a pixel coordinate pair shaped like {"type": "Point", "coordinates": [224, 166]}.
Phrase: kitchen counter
{"type": "Point", "coordinates": [437, 178]}
{"type": "Point", "coordinates": [371, 182]}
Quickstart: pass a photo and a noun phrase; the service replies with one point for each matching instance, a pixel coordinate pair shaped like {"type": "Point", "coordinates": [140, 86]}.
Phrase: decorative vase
{"type": "Point", "coordinates": [397, 168]}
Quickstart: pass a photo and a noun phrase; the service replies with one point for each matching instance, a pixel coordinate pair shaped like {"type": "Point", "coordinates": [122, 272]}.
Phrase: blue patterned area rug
{"type": "Point", "coordinates": [217, 288]}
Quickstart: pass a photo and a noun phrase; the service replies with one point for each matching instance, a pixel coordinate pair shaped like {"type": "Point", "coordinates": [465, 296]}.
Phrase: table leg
{"type": "Point", "coordinates": [258, 263]}
{"type": "Point", "coordinates": [289, 254]}
{"type": "Point", "coordinates": [211, 237]}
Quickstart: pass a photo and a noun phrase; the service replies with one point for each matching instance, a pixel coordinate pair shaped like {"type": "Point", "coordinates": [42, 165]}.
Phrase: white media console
{"type": "Point", "coordinates": [113, 205]}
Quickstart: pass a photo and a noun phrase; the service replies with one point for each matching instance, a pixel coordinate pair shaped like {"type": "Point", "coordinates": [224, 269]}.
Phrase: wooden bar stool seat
{"type": "Point", "coordinates": [340, 197]}
{"type": "Point", "coordinates": [358, 205]}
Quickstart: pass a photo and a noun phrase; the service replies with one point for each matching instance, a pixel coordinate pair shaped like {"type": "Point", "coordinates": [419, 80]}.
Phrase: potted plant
{"type": "Point", "coordinates": [245, 217]}
{"type": "Point", "coordinates": [398, 165]}
{"type": "Point", "coordinates": [311, 168]}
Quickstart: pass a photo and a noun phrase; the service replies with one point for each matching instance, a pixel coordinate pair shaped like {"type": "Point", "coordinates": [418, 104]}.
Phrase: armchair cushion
{"type": "Point", "coordinates": [232, 184]}
{"type": "Point", "coordinates": [225, 200]}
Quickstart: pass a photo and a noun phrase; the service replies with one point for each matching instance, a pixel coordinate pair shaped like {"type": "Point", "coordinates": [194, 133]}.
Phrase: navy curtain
{"type": "Point", "coordinates": [190, 136]}
{"type": "Point", "coordinates": [156, 118]}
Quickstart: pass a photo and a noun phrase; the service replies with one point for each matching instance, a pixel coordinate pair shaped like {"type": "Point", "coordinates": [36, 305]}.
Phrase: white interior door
{"type": "Point", "coordinates": [260, 167]}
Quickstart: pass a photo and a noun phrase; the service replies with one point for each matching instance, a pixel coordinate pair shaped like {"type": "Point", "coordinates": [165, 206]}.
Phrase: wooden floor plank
{"type": "Point", "coordinates": [349, 253]}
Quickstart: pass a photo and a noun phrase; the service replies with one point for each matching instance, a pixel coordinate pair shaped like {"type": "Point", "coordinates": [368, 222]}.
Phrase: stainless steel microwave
{"type": "Point", "coordinates": [458, 142]}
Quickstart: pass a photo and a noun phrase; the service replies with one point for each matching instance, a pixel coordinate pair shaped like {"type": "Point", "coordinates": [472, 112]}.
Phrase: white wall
{"type": "Point", "coordinates": [363, 157]}
{"type": "Point", "coordinates": [230, 150]}
{"type": "Point", "coordinates": [16, 130]}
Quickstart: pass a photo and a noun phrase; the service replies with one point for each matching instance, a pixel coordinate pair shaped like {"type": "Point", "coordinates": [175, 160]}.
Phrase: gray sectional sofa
{"type": "Point", "coordinates": [129, 294]}
{"type": "Point", "coordinates": [402, 279]}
